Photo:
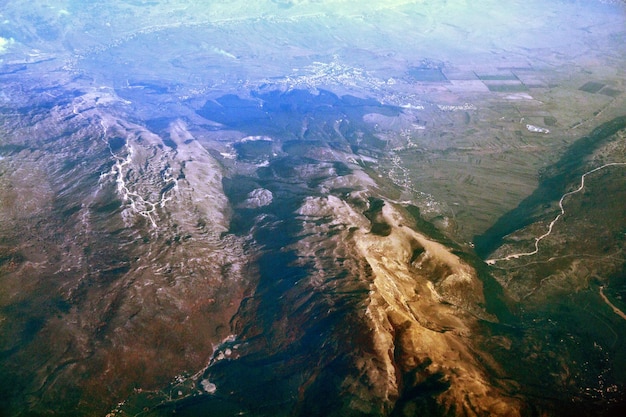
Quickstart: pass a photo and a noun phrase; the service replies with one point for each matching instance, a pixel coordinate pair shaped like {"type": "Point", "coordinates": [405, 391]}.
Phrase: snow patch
{"type": "Point", "coordinates": [228, 155]}
{"type": "Point", "coordinates": [256, 138]}
{"type": "Point", "coordinates": [537, 129]}
{"type": "Point", "coordinates": [208, 386]}
{"type": "Point", "coordinates": [258, 198]}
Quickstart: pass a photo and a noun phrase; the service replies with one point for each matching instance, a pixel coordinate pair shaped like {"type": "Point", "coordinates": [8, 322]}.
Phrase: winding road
{"type": "Point", "coordinates": [553, 222]}
{"type": "Point", "coordinates": [615, 309]}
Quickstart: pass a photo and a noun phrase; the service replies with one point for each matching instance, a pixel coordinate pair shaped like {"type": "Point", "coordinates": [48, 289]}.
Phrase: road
{"type": "Point", "coordinates": [556, 219]}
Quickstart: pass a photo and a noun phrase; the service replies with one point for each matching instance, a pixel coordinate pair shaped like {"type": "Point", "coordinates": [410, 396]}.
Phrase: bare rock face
{"type": "Point", "coordinates": [259, 197]}
{"type": "Point", "coordinates": [422, 305]}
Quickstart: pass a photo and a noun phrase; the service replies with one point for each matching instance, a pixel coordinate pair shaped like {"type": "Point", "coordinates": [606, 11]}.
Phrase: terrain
{"type": "Point", "coordinates": [312, 208]}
